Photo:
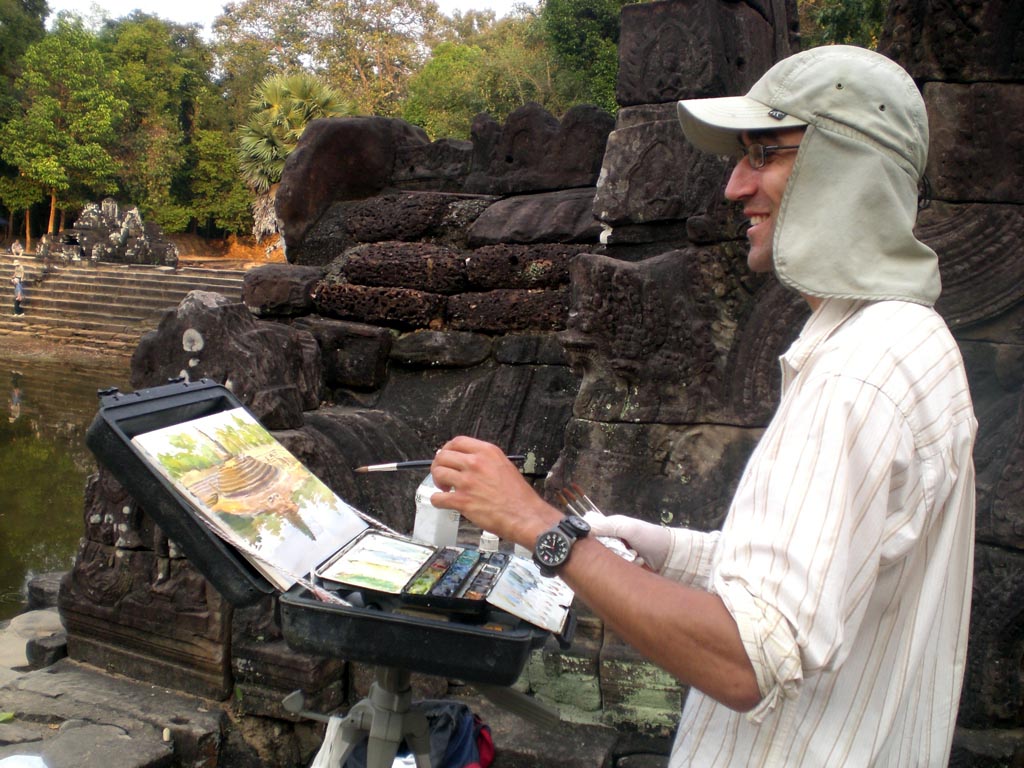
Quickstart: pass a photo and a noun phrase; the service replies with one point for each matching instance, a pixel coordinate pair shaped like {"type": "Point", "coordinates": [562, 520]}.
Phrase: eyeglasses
{"type": "Point", "coordinates": [757, 154]}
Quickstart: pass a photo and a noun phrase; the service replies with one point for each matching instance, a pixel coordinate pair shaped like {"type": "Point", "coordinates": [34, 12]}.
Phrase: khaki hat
{"type": "Point", "coordinates": [841, 88]}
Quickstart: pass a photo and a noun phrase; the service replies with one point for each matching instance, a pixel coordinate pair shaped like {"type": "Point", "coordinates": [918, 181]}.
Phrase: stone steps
{"type": "Point", "coordinates": [101, 307]}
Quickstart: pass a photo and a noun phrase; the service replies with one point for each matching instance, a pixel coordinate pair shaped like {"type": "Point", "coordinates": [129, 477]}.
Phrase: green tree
{"type": "Point", "coordinates": [21, 24]}
{"type": "Point", "coordinates": [164, 76]}
{"type": "Point", "coordinates": [219, 197]}
{"type": "Point", "coordinates": [366, 49]}
{"type": "Point", "coordinates": [19, 194]}
{"type": "Point", "coordinates": [68, 115]}
{"type": "Point", "coordinates": [584, 36]}
{"type": "Point", "coordinates": [849, 22]}
{"type": "Point", "coordinates": [495, 70]}
{"type": "Point", "coordinates": [445, 95]}
{"type": "Point", "coordinates": [281, 108]}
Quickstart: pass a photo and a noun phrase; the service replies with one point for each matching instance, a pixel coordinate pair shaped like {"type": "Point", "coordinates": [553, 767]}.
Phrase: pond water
{"type": "Point", "coordinates": [44, 464]}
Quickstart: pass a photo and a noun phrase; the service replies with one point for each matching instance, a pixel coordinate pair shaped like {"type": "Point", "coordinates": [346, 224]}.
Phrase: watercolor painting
{"type": "Point", "coordinates": [377, 561]}
{"type": "Point", "coordinates": [253, 492]}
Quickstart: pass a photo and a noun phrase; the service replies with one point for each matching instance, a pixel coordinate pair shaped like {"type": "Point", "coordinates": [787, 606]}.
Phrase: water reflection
{"type": "Point", "coordinates": [44, 465]}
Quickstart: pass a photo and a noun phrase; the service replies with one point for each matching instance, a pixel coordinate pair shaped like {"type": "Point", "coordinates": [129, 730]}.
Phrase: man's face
{"type": "Point", "coordinates": [760, 190]}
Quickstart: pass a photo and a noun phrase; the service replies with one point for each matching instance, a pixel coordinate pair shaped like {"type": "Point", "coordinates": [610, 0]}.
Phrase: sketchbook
{"type": "Point", "coordinates": [258, 497]}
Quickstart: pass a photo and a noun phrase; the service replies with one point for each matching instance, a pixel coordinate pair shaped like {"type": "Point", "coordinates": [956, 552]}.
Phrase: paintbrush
{"type": "Point", "coordinates": [395, 466]}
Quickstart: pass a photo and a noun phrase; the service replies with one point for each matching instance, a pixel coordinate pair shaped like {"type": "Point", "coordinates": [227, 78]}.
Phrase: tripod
{"type": "Point", "coordinates": [387, 716]}
{"type": "Point", "coordinates": [384, 718]}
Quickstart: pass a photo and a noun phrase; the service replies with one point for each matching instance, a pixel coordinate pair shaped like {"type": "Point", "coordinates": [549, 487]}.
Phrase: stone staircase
{"type": "Point", "coordinates": [102, 307]}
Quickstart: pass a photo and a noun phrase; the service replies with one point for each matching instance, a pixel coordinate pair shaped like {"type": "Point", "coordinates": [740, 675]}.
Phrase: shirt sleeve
{"type": "Point", "coordinates": [690, 556]}
{"type": "Point", "coordinates": [800, 549]}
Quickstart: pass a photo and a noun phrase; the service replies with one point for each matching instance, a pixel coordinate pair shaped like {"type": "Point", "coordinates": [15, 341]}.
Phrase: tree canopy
{"type": "Point", "coordinates": [194, 131]}
{"type": "Point", "coordinates": [69, 109]}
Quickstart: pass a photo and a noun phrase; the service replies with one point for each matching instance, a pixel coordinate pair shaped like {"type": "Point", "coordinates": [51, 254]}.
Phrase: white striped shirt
{"type": "Point", "coordinates": [846, 557]}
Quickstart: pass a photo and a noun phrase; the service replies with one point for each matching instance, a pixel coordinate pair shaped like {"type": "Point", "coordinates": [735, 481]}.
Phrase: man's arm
{"type": "Point", "coordinates": [686, 631]}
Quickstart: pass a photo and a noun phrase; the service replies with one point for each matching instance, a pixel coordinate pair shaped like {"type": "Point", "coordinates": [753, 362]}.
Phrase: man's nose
{"type": "Point", "coordinates": [742, 181]}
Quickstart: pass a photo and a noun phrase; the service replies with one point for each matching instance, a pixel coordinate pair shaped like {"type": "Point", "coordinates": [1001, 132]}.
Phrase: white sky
{"type": "Point", "coordinates": [204, 11]}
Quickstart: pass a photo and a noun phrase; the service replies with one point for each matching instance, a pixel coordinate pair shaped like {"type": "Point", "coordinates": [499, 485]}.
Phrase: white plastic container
{"type": "Point", "coordinates": [432, 525]}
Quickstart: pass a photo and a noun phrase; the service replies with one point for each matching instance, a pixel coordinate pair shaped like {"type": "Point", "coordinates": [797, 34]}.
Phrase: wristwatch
{"type": "Point", "coordinates": [554, 545]}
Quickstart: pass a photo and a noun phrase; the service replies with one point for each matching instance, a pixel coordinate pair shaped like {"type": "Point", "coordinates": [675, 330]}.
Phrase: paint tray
{"type": "Point", "coordinates": [490, 647]}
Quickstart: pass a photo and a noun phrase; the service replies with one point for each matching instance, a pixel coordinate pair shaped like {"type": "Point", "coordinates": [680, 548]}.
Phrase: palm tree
{"type": "Point", "coordinates": [281, 107]}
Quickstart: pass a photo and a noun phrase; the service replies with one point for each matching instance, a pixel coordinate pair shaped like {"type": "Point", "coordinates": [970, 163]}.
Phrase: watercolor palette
{"type": "Point", "coordinates": [447, 579]}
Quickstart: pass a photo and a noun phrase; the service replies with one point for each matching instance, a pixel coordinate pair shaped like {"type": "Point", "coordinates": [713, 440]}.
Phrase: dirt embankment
{"type": "Point", "coordinates": [231, 253]}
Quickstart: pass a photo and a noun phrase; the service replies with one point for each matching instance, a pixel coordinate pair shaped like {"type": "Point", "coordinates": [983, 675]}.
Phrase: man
{"type": "Point", "coordinates": [826, 623]}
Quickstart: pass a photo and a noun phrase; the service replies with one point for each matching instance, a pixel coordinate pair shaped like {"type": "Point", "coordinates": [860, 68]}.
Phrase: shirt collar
{"type": "Point", "coordinates": [822, 323]}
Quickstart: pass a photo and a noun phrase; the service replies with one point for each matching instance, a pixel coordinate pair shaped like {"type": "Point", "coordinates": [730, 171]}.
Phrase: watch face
{"type": "Point", "coordinates": [552, 548]}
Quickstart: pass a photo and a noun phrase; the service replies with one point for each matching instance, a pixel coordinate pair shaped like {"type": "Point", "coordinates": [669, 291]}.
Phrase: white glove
{"type": "Point", "coordinates": [651, 542]}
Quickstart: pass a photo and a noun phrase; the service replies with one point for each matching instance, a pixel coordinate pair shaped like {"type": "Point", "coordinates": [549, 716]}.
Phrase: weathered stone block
{"type": "Point", "coordinates": [407, 216]}
{"type": "Point", "coordinates": [979, 253]}
{"type": "Point", "coordinates": [992, 690]}
{"type": "Point", "coordinates": [996, 377]}
{"type": "Point", "coordinates": [990, 748]}
{"type": "Point", "coordinates": [526, 349]}
{"type": "Point", "coordinates": [441, 349]}
{"type": "Point", "coordinates": [568, 679]}
{"type": "Point", "coordinates": [651, 173]}
{"type": "Point", "coordinates": [535, 152]}
{"type": "Point", "coordinates": [346, 158]}
{"type": "Point", "coordinates": [273, 369]}
{"type": "Point", "coordinates": [977, 141]}
{"type": "Point", "coordinates": [265, 672]}
{"type": "Point", "coordinates": [43, 589]}
{"type": "Point", "coordinates": [673, 475]}
{"type": "Point", "coordinates": [394, 307]}
{"type": "Point", "coordinates": [635, 691]}
{"type": "Point", "coordinates": [44, 651]}
{"type": "Point", "coordinates": [509, 310]}
{"type": "Point", "coordinates": [520, 266]}
{"type": "Point", "coordinates": [566, 216]}
{"type": "Point", "coordinates": [280, 289]}
{"type": "Point", "coordinates": [956, 40]}
{"type": "Point", "coordinates": [147, 617]}
{"type": "Point", "coordinates": [346, 438]}
{"type": "Point", "coordinates": [637, 331]}
{"type": "Point", "coordinates": [353, 354]}
{"type": "Point", "coordinates": [521, 407]}
{"type": "Point", "coordinates": [685, 49]}
{"type": "Point", "coordinates": [441, 165]}
{"type": "Point", "coordinates": [422, 266]}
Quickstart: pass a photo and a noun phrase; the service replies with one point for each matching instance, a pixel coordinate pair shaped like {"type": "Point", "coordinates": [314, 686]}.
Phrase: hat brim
{"type": "Point", "coordinates": [714, 125]}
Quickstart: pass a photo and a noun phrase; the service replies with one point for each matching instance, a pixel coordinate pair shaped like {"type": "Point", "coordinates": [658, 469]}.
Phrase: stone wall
{"type": "Point", "coordinates": [968, 59]}
{"type": "Point", "coordinates": [575, 290]}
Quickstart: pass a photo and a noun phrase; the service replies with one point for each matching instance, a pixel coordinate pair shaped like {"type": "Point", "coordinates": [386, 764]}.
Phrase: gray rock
{"type": "Point", "coordinates": [44, 651]}
{"type": "Point", "coordinates": [347, 158]}
{"type": "Point", "coordinates": [281, 290]}
{"type": "Point", "coordinates": [566, 216]}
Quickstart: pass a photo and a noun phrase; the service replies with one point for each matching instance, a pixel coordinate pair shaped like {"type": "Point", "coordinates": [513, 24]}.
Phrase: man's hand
{"type": "Point", "coordinates": [484, 486]}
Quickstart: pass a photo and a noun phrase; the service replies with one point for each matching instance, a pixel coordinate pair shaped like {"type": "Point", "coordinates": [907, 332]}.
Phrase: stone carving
{"type": "Point", "coordinates": [956, 41]}
{"type": "Point", "coordinates": [273, 369]}
{"type": "Point", "coordinates": [102, 233]}
{"type": "Point", "coordinates": [685, 49]}
{"type": "Point", "coordinates": [977, 154]}
{"type": "Point", "coordinates": [972, 242]}
{"type": "Point", "coordinates": [534, 152]}
{"type": "Point", "coordinates": [992, 687]}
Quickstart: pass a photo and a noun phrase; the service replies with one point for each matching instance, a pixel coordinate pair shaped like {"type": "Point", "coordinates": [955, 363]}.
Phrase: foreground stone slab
{"type": "Point", "coordinates": [75, 716]}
